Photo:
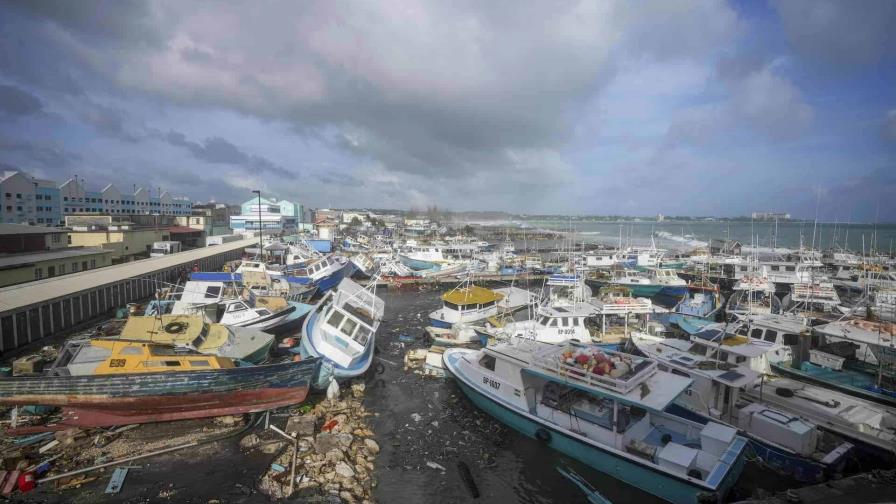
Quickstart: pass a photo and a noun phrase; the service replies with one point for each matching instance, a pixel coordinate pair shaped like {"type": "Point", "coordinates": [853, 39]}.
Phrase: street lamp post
{"type": "Point", "coordinates": [260, 247]}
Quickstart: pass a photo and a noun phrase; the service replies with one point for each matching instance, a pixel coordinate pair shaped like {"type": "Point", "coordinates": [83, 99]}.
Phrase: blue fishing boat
{"type": "Point", "coordinates": [325, 272]}
{"type": "Point", "coordinates": [341, 329]}
{"type": "Point", "coordinates": [604, 409]}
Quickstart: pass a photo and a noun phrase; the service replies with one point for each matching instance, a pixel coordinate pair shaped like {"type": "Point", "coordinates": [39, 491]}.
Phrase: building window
{"type": "Point", "coordinates": [40, 220]}
{"type": "Point", "coordinates": [84, 265]}
{"type": "Point", "coordinates": [9, 195]}
{"type": "Point", "coordinates": [93, 263]}
{"type": "Point", "coordinates": [61, 269]}
{"type": "Point", "coordinates": [65, 198]}
{"type": "Point", "coordinates": [38, 273]}
{"type": "Point", "coordinates": [19, 195]}
{"type": "Point", "coordinates": [47, 197]}
{"type": "Point", "coordinates": [39, 196]}
{"type": "Point", "coordinates": [74, 267]}
{"type": "Point", "coordinates": [56, 238]}
{"type": "Point", "coordinates": [19, 208]}
{"type": "Point", "coordinates": [8, 208]}
{"type": "Point", "coordinates": [51, 271]}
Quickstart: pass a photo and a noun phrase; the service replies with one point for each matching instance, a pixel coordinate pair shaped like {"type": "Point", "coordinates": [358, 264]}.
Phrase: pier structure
{"type": "Point", "coordinates": [35, 310]}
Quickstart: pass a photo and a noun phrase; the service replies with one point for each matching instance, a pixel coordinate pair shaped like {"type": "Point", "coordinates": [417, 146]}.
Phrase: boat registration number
{"type": "Point", "coordinates": [491, 383]}
{"type": "Point", "coordinates": [116, 362]}
{"type": "Point", "coordinates": [566, 332]}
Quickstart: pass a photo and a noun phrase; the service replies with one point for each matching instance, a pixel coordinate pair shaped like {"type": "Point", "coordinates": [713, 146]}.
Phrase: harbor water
{"type": "Point", "coordinates": [426, 426]}
{"type": "Point", "coordinates": [764, 234]}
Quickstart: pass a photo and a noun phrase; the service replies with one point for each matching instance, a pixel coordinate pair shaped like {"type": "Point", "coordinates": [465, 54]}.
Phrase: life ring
{"type": "Point", "coordinates": [175, 327]}
{"type": "Point", "coordinates": [543, 435]}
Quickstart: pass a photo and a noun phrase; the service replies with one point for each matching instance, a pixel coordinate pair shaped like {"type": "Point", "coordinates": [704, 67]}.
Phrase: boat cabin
{"type": "Point", "coordinates": [101, 356]}
{"type": "Point", "coordinates": [348, 322]}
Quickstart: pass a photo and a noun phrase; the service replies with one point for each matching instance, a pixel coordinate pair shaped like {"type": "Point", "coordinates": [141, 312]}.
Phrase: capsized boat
{"type": "Point", "coordinates": [103, 382]}
{"type": "Point", "coordinates": [192, 332]}
{"type": "Point", "coordinates": [341, 328]}
{"type": "Point", "coordinates": [604, 409]}
{"type": "Point", "coordinates": [782, 439]}
{"type": "Point", "coordinates": [471, 304]}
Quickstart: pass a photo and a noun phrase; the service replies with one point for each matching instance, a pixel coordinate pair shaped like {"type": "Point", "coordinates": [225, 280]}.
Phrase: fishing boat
{"type": "Point", "coordinates": [672, 284]}
{"type": "Point", "coordinates": [857, 357]}
{"type": "Point", "coordinates": [364, 265]}
{"type": "Point", "coordinates": [231, 304]}
{"type": "Point", "coordinates": [753, 294]}
{"type": "Point", "coordinates": [871, 427]}
{"type": "Point", "coordinates": [194, 333]}
{"type": "Point", "coordinates": [615, 306]}
{"type": "Point", "coordinates": [341, 329]}
{"type": "Point", "coordinates": [640, 285]}
{"type": "Point", "coordinates": [471, 304]}
{"type": "Point", "coordinates": [457, 335]}
{"type": "Point", "coordinates": [105, 382]}
{"type": "Point", "coordinates": [605, 409]}
{"type": "Point", "coordinates": [700, 307]}
{"type": "Point", "coordinates": [263, 280]}
{"type": "Point", "coordinates": [551, 324]}
{"type": "Point", "coordinates": [781, 439]}
{"type": "Point", "coordinates": [324, 272]}
{"type": "Point", "coordinates": [566, 290]}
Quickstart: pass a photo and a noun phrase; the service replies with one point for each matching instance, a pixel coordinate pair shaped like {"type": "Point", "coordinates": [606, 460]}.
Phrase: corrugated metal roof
{"type": "Point", "coordinates": [22, 295]}
{"type": "Point", "coordinates": [15, 229]}
{"type": "Point", "coordinates": [7, 261]}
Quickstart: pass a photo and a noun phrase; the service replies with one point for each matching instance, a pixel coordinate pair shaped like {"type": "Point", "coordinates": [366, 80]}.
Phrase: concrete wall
{"type": "Point", "coordinates": [64, 314]}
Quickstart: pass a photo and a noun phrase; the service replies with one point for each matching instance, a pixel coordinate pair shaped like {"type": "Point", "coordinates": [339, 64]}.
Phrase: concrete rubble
{"type": "Point", "coordinates": [336, 452]}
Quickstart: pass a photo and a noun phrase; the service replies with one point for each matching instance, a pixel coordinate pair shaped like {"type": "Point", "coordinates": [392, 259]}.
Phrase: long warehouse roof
{"type": "Point", "coordinates": [22, 295]}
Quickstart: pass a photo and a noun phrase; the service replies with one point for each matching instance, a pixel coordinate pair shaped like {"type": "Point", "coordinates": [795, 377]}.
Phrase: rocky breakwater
{"type": "Point", "coordinates": [331, 456]}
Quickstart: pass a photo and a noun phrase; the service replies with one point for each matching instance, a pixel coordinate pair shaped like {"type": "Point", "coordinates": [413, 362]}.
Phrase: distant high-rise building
{"type": "Point", "coordinates": [770, 216]}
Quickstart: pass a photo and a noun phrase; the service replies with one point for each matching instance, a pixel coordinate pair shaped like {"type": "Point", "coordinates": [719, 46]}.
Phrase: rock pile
{"type": "Point", "coordinates": [334, 457]}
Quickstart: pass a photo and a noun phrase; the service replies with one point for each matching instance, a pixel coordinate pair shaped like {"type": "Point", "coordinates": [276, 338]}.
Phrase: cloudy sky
{"type": "Point", "coordinates": [686, 107]}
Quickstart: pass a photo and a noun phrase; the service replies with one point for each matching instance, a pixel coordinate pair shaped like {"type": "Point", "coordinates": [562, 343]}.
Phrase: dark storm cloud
{"type": "Point", "coordinates": [110, 121]}
{"type": "Point", "coordinates": [18, 102]}
{"type": "Point", "coordinates": [217, 150]}
{"type": "Point", "coordinates": [841, 32]}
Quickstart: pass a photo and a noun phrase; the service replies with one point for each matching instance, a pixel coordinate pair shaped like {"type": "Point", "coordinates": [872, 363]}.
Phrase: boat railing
{"type": "Point", "coordinates": [622, 306]}
{"type": "Point", "coordinates": [552, 362]}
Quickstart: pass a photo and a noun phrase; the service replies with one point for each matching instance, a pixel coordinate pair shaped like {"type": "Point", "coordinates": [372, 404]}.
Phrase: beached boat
{"type": "Point", "coordinates": [364, 265]}
{"type": "Point", "coordinates": [781, 439]}
{"type": "Point", "coordinates": [471, 304]}
{"type": "Point", "coordinates": [342, 328]}
{"type": "Point", "coordinates": [604, 409]}
{"type": "Point", "coordinates": [104, 382]}
{"type": "Point", "coordinates": [192, 332]}
{"type": "Point", "coordinates": [324, 272]}
{"type": "Point", "coordinates": [231, 304]}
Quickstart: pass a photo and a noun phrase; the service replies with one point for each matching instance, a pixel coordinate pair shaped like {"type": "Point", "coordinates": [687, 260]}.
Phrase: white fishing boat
{"type": "Point", "coordinates": [551, 324]}
{"type": "Point", "coordinates": [342, 328]}
{"type": "Point", "coordinates": [470, 304]}
{"type": "Point", "coordinates": [364, 265]}
{"type": "Point", "coordinates": [781, 439]}
{"type": "Point", "coordinates": [605, 409]}
{"type": "Point", "coordinates": [231, 304]}
{"type": "Point", "coordinates": [871, 427]}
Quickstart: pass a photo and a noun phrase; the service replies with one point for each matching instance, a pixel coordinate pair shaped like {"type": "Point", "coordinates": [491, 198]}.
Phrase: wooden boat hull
{"type": "Point", "coordinates": [103, 400]}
